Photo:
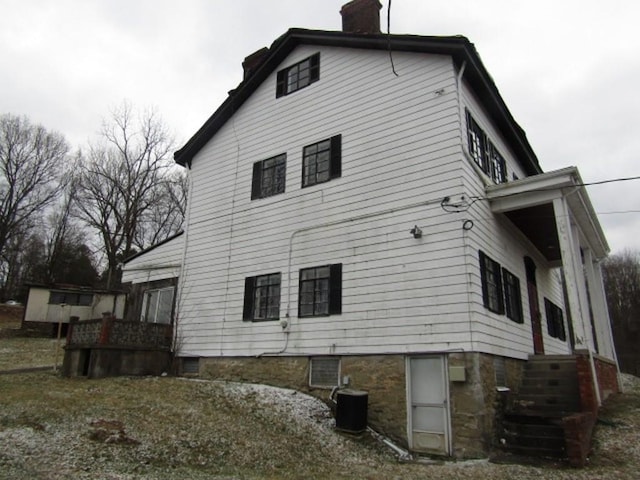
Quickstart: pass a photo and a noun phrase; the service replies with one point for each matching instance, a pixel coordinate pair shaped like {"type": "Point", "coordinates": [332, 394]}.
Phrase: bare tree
{"type": "Point", "coordinates": [32, 167]}
{"type": "Point", "coordinates": [621, 274]}
{"type": "Point", "coordinates": [119, 181]}
{"type": "Point", "coordinates": [166, 215]}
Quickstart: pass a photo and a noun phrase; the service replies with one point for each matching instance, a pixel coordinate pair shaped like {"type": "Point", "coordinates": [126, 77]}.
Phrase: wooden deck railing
{"type": "Point", "coordinates": [109, 331]}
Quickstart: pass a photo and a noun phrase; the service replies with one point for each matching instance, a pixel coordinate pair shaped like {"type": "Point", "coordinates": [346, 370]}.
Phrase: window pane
{"type": "Point", "coordinates": [152, 305]}
{"type": "Point", "coordinates": [308, 273]}
{"type": "Point", "coordinates": [322, 272]}
{"type": "Point", "coordinates": [165, 303]}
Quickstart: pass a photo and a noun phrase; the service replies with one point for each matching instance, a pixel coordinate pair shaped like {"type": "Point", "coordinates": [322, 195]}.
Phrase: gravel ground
{"type": "Point", "coordinates": [172, 428]}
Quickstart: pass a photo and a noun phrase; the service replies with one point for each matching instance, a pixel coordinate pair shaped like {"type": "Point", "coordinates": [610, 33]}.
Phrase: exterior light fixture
{"type": "Point", "coordinates": [416, 232]}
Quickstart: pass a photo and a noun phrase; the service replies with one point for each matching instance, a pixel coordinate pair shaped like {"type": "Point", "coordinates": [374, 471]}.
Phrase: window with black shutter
{"type": "Point", "coordinates": [320, 291]}
{"type": "Point", "coordinates": [322, 161]}
{"type": "Point", "coordinates": [297, 76]}
{"type": "Point", "coordinates": [555, 320]}
{"type": "Point", "coordinates": [262, 298]}
{"type": "Point", "coordinates": [512, 296]}
{"type": "Point", "coordinates": [484, 152]}
{"type": "Point", "coordinates": [491, 284]}
{"type": "Point", "coordinates": [269, 177]}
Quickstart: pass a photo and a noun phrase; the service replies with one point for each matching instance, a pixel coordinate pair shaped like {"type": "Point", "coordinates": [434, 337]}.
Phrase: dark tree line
{"type": "Point", "coordinates": [74, 219]}
{"type": "Point", "coordinates": [621, 274]}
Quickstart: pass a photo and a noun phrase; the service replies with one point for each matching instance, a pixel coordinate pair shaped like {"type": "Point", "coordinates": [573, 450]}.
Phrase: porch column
{"type": "Point", "coordinates": [575, 280]}
{"type": "Point", "coordinates": [573, 273]}
{"type": "Point", "coordinates": [599, 307]}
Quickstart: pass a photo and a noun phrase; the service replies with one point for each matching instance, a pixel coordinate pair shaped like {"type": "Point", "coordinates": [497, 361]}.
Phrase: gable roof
{"type": "Point", "coordinates": [458, 47]}
{"type": "Point", "coordinates": [152, 247]}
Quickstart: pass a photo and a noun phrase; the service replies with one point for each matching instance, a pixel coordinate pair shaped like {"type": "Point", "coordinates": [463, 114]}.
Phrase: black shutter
{"type": "Point", "coordinates": [483, 276]}
{"type": "Point", "coordinates": [281, 82]}
{"type": "Point", "coordinates": [503, 170]}
{"type": "Point", "coordinates": [336, 156]}
{"type": "Point", "coordinates": [314, 68]}
{"type": "Point", "coordinates": [498, 273]}
{"type": "Point", "coordinates": [519, 301]}
{"type": "Point", "coordinates": [335, 289]}
{"type": "Point", "coordinates": [256, 180]}
{"type": "Point", "coordinates": [249, 291]}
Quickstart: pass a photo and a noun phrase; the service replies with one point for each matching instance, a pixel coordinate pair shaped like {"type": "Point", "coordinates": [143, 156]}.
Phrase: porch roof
{"type": "Point", "coordinates": [528, 204]}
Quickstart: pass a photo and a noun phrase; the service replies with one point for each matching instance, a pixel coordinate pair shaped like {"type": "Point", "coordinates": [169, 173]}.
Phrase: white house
{"type": "Point", "coordinates": [348, 225]}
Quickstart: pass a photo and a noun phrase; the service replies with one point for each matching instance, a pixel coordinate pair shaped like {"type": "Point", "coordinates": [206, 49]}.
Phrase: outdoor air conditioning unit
{"type": "Point", "coordinates": [351, 410]}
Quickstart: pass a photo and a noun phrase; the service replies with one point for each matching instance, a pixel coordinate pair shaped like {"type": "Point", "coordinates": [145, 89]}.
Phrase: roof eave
{"type": "Point", "coordinates": [458, 47]}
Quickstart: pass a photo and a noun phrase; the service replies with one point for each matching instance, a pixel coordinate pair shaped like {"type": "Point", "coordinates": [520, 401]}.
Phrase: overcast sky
{"type": "Point", "coordinates": [568, 70]}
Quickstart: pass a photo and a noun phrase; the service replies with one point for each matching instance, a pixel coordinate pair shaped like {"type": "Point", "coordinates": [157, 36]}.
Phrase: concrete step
{"type": "Point", "coordinates": [533, 435]}
{"type": "Point", "coordinates": [547, 402]}
{"type": "Point", "coordinates": [550, 367]}
{"type": "Point", "coordinates": [553, 382]}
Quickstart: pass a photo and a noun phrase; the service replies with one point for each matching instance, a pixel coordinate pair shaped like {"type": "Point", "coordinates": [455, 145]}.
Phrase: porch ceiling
{"type": "Point", "coordinates": [538, 224]}
{"type": "Point", "coordinates": [528, 204]}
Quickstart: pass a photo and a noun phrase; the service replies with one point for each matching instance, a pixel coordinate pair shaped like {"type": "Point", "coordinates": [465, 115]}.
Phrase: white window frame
{"type": "Point", "coordinates": [145, 300]}
{"type": "Point", "coordinates": [316, 360]}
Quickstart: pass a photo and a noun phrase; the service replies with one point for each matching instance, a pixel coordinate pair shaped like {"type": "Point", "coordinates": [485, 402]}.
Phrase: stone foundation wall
{"type": "Point", "coordinates": [100, 362]}
{"type": "Point", "coordinates": [381, 376]}
{"type": "Point", "coordinates": [474, 402]}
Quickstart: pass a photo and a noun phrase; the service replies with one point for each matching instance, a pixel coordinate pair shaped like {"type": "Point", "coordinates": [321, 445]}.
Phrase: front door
{"type": "Point", "coordinates": [429, 406]}
{"type": "Point", "coordinates": [534, 306]}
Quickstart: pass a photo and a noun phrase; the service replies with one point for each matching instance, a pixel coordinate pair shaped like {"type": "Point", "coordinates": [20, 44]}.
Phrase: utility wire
{"type": "Point", "coordinates": [393, 68]}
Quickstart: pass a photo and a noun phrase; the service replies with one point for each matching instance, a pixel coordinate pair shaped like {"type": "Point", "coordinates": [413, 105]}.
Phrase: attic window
{"type": "Point", "coordinates": [298, 76]}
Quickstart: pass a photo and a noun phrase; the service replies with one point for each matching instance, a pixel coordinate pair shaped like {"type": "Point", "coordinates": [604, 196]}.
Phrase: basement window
{"type": "Point", "coordinates": [324, 372]}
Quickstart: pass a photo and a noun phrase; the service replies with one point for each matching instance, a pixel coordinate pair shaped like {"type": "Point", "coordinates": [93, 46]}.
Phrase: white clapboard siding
{"type": "Point", "coordinates": [500, 240]}
{"type": "Point", "coordinates": [158, 263]}
{"type": "Point", "coordinates": [400, 157]}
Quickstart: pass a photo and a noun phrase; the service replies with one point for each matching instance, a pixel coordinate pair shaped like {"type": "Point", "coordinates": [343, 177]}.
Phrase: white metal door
{"type": "Point", "coordinates": [429, 411]}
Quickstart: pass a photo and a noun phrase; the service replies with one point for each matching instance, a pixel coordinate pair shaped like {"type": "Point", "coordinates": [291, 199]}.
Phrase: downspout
{"type": "Point", "coordinates": [481, 175]}
{"type": "Point", "coordinates": [182, 272]}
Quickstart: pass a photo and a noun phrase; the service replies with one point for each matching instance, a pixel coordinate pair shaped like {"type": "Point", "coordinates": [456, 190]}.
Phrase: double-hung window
{"type": "Point", "coordinates": [298, 76]}
{"type": "Point", "coordinates": [320, 291]}
{"type": "Point", "coordinates": [262, 297]}
{"type": "Point", "coordinates": [322, 161]}
{"type": "Point", "coordinates": [500, 289]}
{"type": "Point", "coordinates": [491, 284]}
{"type": "Point", "coordinates": [269, 177]}
{"type": "Point", "coordinates": [498, 165]}
{"type": "Point", "coordinates": [484, 152]}
{"type": "Point", "coordinates": [512, 296]}
{"type": "Point", "coordinates": [477, 143]}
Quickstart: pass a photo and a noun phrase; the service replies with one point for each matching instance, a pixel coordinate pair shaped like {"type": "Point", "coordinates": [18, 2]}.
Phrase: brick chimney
{"type": "Point", "coordinates": [361, 16]}
{"type": "Point", "coordinates": [252, 61]}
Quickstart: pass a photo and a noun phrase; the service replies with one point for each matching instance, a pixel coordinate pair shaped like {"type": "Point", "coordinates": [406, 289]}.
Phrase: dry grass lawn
{"type": "Point", "coordinates": [171, 428]}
